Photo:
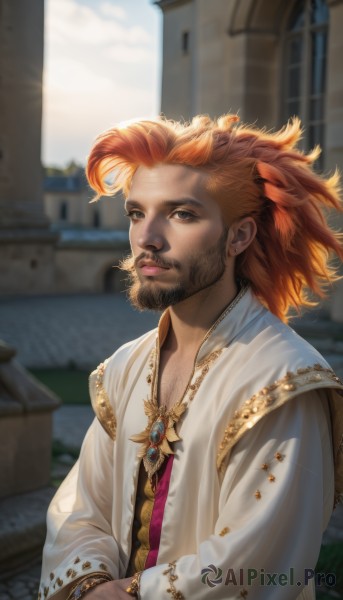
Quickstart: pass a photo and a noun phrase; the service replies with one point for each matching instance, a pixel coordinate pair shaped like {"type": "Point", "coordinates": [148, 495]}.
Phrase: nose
{"type": "Point", "coordinates": [150, 235]}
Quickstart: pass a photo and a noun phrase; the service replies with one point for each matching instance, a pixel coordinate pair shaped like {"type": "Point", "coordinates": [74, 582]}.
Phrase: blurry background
{"type": "Point", "coordinates": [109, 61]}
{"type": "Point", "coordinates": [70, 69]}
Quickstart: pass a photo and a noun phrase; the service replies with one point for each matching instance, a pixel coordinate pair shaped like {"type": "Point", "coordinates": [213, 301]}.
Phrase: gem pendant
{"type": "Point", "coordinates": [154, 456]}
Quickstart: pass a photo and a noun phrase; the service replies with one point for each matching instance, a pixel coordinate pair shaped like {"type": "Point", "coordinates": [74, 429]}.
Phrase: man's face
{"type": "Point", "coordinates": [177, 236]}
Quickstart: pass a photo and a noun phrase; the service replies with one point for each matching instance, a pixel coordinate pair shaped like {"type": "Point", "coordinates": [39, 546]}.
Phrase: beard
{"type": "Point", "coordinates": [205, 269]}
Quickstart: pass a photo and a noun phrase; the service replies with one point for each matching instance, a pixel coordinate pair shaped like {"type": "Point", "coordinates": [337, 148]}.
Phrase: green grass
{"type": "Point", "coordinates": [331, 561]}
{"type": "Point", "coordinates": [69, 384]}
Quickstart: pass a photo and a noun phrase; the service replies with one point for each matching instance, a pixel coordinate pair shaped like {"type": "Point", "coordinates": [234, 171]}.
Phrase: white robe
{"type": "Point", "coordinates": [252, 482]}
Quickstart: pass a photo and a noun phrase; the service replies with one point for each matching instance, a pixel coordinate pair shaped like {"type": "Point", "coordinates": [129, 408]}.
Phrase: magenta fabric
{"type": "Point", "coordinates": [157, 512]}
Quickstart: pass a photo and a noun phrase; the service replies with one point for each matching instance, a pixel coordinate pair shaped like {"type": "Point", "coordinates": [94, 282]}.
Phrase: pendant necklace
{"type": "Point", "coordinates": [160, 430]}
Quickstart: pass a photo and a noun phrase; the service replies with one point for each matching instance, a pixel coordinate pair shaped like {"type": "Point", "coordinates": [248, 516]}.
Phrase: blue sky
{"type": "Point", "coordinates": [102, 65]}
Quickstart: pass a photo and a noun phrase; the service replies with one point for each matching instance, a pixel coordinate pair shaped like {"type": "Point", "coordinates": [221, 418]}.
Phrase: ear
{"type": "Point", "coordinates": [241, 234]}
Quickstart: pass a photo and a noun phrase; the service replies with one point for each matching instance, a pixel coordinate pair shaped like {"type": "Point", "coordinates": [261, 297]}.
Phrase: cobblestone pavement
{"type": "Point", "coordinates": [23, 586]}
{"type": "Point", "coordinates": [80, 330]}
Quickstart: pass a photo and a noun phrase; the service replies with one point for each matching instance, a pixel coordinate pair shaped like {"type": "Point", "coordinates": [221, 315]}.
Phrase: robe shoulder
{"type": "Point", "coordinates": [277, 366]}
{"type": "Point", "coordinates": [105, 380]}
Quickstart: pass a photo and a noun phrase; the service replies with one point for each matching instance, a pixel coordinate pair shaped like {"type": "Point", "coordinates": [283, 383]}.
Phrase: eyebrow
{"type": "Point", "coordinates": [169, 203]}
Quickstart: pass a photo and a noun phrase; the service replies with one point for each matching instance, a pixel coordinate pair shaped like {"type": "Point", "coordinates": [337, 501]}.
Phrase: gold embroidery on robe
{"type": "Point", "coordinates": [101, 402]}
{"type": "Point", "coordinates": [275, 395]}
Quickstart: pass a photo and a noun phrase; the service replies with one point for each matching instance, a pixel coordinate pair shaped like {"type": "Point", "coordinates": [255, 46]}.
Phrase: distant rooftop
{"type": "Point", "coordinates": [93, 235]}
{"type": "Point", "coordinates": [65, 183]}
{"type": "Point", "coordinates": [82, 237]}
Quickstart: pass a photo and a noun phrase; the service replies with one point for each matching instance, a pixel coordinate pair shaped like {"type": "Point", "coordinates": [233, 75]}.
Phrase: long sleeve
{"type": "Point", "coordinates": [83, 536]}
{"type": "Point", "coordinates": [80, 539]}
{"type": "Point", "coordinates": [275, 500]}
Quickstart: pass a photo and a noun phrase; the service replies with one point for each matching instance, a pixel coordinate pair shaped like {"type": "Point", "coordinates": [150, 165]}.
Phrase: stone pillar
{"type": "Point", "coordinates": [178, 73]}
{"type": "Point", "coordinates": [26, 243]}
{"type": "Point", "coordinates": [334, 129]}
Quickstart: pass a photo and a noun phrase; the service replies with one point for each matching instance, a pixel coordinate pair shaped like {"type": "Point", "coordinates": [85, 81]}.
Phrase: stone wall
{"type": "Point", "coordinates": [89, 269]}
{"type": "Point", "coordinates": [27, 262]}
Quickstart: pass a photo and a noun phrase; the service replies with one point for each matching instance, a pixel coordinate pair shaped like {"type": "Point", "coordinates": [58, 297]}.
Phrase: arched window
{"type": "Point", "coordinates": [96, 218]}
{"type": "Point", "coordinates": [63, 211]}
{"type": "Point", "coordinates": [305, 73]}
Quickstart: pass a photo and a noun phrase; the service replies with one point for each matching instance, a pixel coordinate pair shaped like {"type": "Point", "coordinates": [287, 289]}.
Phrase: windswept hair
{"type": "Point", "coordinates": [251, 172]}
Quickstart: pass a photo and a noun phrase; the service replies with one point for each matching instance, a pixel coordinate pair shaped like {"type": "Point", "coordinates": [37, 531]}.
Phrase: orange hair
{"type": "Point", "coordinates": [250, 172]}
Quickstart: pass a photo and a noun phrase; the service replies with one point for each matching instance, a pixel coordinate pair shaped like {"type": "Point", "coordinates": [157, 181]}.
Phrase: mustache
{"type": "Point", "coordinates": [158, 260]}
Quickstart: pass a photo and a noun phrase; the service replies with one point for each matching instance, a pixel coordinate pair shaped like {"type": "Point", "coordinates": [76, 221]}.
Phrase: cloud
{"type": "Point", "coordinates": [112, 11]}
{"type": "Point", "coordinates": [129, 54]}
{"type": "Point", "coordinates": [100, 68]}
{"type": "Point", "coordinates": [72, 78]}
{"type": "Point", "coordinates": [68, 21]}
{"type": "Point", "coordinates": [74, 122]}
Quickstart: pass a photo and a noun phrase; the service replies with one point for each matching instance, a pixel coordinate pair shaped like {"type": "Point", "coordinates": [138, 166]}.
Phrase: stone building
{"type": "Point", "coordinates": [265, 60]}
{"type": "Point", "coordinates": [67, 204]}
{"type": "Point", "coordinates": [93, 237]}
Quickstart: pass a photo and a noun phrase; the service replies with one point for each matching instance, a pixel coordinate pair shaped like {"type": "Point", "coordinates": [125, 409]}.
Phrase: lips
{"type": "Point", "coordinates": [146, 262]}
{"type": "Point", "coordinates": [150, 267]}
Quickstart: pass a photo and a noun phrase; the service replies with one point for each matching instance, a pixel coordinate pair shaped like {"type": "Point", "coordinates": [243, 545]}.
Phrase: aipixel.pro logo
{"type": "Point", "coordinates": [211, 575]}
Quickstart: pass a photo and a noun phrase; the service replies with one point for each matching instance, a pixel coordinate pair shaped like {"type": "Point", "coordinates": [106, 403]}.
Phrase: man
{"type": "Point", "coordinates": [209, 471]}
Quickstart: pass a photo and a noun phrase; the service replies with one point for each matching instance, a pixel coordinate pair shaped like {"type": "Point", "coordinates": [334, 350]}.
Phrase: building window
{"type": "Point", "coordinates": [305, 57]}
{"type": "Point", "coordinates": [96, 218]}
{"type": "Point", "coordinates": [185, 42]}
{"type": "Point", "coordinates": [63, 211]}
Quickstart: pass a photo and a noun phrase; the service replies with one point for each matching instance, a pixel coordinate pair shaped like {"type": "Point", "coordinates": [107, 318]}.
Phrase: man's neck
{"type": "Point", "coordinates": [192, 318]}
